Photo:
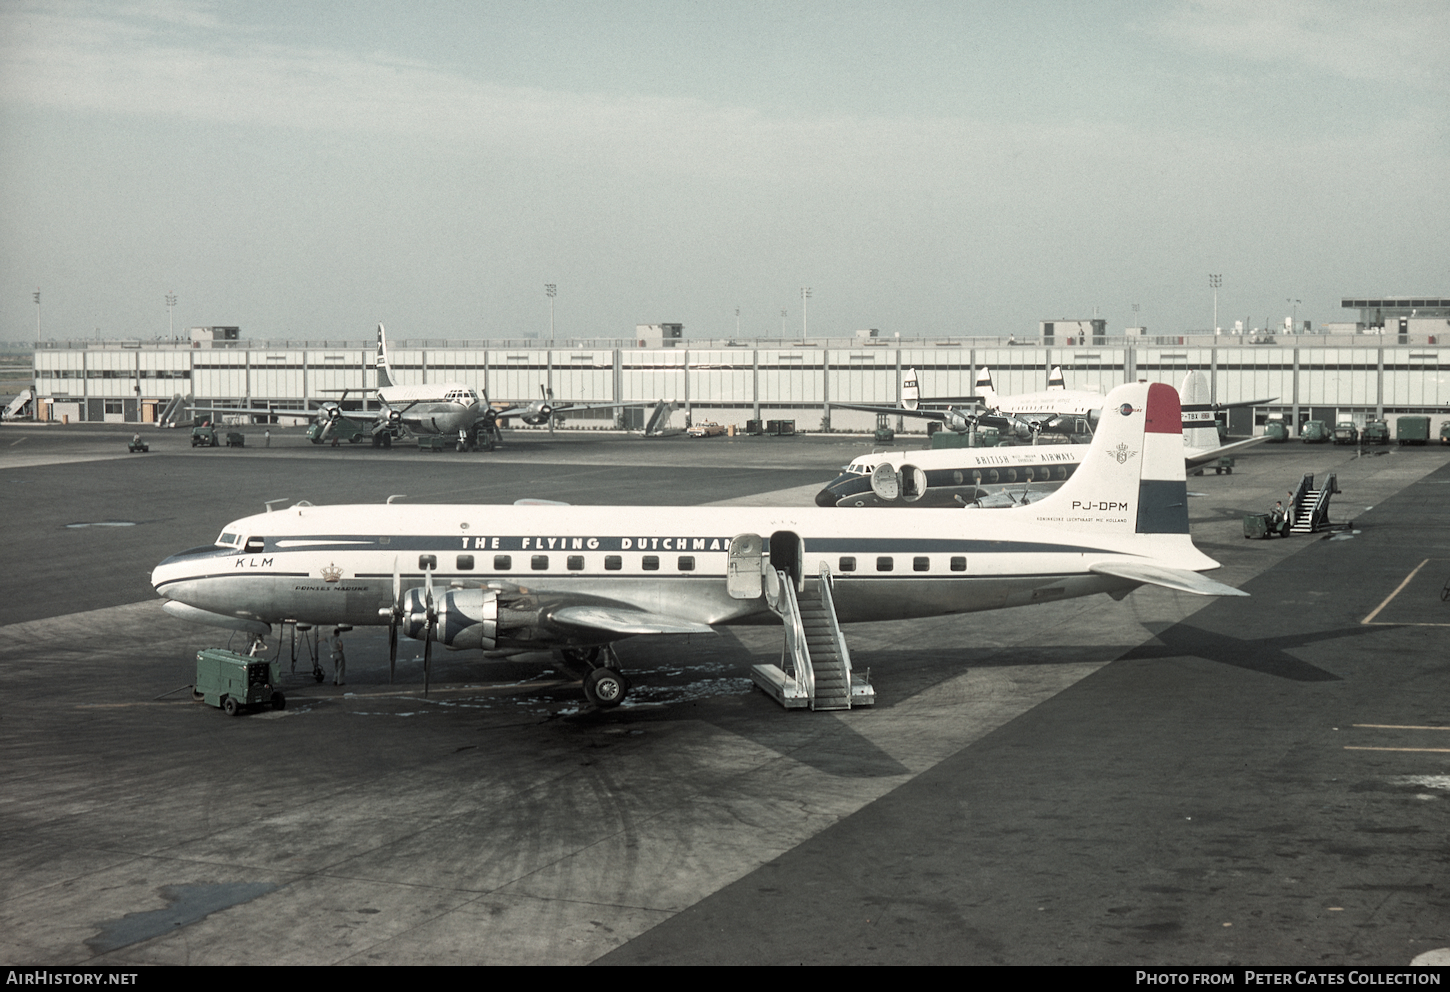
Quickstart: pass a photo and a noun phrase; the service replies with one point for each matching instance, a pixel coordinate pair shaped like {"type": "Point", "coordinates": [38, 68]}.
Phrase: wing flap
{"type": "Point", "coordinates": [1177, 579]}
{"type": "Point", "coordinates": [623, 620]}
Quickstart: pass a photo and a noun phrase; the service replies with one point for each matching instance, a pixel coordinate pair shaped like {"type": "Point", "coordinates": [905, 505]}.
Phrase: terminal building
{"type": "Point", "coordinates": [1395, 359]}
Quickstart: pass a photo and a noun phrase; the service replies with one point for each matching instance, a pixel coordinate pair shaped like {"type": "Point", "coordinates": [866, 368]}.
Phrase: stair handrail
{"type": "Point", "coordinates": [828, 600]}
{"type": "Point", "coordinates": [1296, 502]}
{"type": "Point", "coordinates": [795, 647]}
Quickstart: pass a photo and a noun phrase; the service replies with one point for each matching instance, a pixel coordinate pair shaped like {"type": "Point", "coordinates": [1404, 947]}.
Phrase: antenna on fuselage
{"type": "Point", "coordinates": [397, 496]}
{"type": "Point", "coordinates": [268, 503]}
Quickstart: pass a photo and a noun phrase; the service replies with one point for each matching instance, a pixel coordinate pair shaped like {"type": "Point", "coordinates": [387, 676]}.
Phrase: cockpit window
{"type": "Point", "coordinates": [227, 540]}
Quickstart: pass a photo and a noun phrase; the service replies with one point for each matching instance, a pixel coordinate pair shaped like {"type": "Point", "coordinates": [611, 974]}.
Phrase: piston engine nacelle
{"type": "Point", "coordinates": [467, 618]}
{"type": "Point", "coordinates": [907, 484]}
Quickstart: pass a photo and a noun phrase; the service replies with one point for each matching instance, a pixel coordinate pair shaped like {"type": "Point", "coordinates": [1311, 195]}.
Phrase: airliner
{"type": "Point", "coordinates": [1008, 475]}
{"type": "Point", "coordinates": [578, 579]}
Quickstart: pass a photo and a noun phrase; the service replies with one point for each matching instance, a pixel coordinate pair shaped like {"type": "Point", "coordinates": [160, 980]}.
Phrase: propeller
{"type": "Point", "coordinates": [395, 618]}
{"type": "Point", "coordinates": [430, 624]}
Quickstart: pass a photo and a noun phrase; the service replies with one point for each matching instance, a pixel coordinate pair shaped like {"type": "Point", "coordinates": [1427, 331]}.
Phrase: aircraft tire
{"type": "Point", "coordinates": [605, 687]}
{"type": "Point", "coordinates": [354, 439]}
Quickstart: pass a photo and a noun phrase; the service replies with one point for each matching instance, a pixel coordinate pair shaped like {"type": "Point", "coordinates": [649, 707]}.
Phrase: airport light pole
{"type": "Point", "coordinates": [782, 328]}
{"type": "Point", "coordinates": [1294, 320]}
{"type": "Point", "coordinates": [737, 323]}
{"type": "Point", "coordinates": [1215, 281]}
{"type": "Point", "coordinates": [36, 294]}
{"type": "Point", "coordinates": [550, 289]}
{"type": "Point", "coordinates": [170, 326]}
{"type": "Point", "coordinates": [805, 309]}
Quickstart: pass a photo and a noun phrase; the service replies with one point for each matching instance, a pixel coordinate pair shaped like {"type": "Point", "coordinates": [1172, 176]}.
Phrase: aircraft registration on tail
{"type": "Point", "coordinates": [578, 579]}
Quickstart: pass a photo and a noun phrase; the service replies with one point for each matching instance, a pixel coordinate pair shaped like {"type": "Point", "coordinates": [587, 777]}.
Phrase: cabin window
{"type": "Point", "coordinates": [957, 477]}
{"type": "Point", "coordinates": [254, 544]}
{"type": "Point", "coordinates": [1011, 475]}
{"type": "Point", "coordinates": [650, 563]}
{"type": "Point", "coordinates": [1063, 471]}
{"type": "Point", "coordinates": [883, 564]}
{"type": "Point", "coordinates": [992, 475]}
{"type": "Point", "coordinates": [427, 562]}
{"type": "Point", "coordinates": [613, 563]}
{"type": "Point", "coordinates": [1027, 474]}
{"type": "Point", "coordinates": [921, 563]}
{"type": "Point", "coordinates": [465, 563]}
{"type": "Point", "coordinates": [687, 563]}
{"type": "Point", "coordinates": [539, 563]}
{"type": "Point", "coordinates": [959, 563]}
{"type": "Point", "coordinates": [846, 564]}
{"type": "Point", "coordinates": [576, 563]}
{"type": "Point", "coordinates": [502, 563]}
{"type": "Point", "coordinates": [976, 477]}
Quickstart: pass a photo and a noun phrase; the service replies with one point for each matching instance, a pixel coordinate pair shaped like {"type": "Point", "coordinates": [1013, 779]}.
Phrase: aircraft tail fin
{"type": "Point", "coordinates": [1200, 434]}
{"type": "Point", "coordinates": [984, 388]}
{"type": "Point", "coordinates": [1131, 480]}
{"type": "Point", "coordinates": [1055, 378]}
{"type": "Point", "coordinates": [385, 376]}
{"type": "Point", "coordinates": [910, 390]}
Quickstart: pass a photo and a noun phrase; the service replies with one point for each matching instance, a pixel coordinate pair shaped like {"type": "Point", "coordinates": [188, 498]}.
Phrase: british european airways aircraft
{"type": "Point", "coordinates": [579, 578]}
{"type": "Point", "coordinates": [1004, 476]}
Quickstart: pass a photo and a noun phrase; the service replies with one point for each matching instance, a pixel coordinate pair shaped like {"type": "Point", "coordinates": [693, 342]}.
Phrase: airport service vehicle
{"type": "Point", "coordinates": [235, 682]}
{"type": "Point", "coordinates": [1375, 432]}
{"type": "Point", "coordinates": [332, 424]}
{"type": "Point", "coordinates": [1445, 432]}
{"type": "Point", "coordinates": [1412, 430]}
{"type": "Point", "coordinates": [577, 579]}
{"type": "Point", "coordinates": [1276, 431]}
{"type": "Point", "coordinates": [236, 439]}
{"type": "Point", "coordinates": [137, 445]}
{"type": "Point", "coordinates": [203, 435]}
{"type": "Point", "coordinates": [1315, 432]}
{"type": "Point", "coordinates": [707, 429]}
{"type": "Point", "coordinates": [1345, 432]}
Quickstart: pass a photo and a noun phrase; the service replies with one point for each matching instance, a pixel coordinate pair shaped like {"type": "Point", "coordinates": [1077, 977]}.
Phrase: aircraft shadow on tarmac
{"type": "Point", "coordinates": [1265, 655]}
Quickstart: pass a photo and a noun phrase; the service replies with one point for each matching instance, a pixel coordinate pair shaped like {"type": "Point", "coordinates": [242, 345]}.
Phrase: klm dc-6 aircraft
{"type": "Point", "coordinates": [578, 579]}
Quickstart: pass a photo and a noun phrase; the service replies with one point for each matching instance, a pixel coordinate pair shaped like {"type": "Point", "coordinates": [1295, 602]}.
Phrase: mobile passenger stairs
{"type": "Point", "coordinates": [815, 664]}
{"type": "Point", "coordinates": [1309, 507]}
{"type": "Point", "coordinates": [19, 406]}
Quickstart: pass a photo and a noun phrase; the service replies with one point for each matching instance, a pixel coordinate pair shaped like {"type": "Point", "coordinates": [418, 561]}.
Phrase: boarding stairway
{"type": "Point", "coordinates": [1309, 507]}
{"type": "Point", "coordinates": [17, 406]}
{"type": "Point", "coordinates": [171, 412]}
{"type": "Point", "coordinates": [815, 664]}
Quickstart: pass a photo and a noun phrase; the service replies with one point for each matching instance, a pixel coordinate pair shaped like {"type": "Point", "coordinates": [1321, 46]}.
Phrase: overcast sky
{"type": "Point", "coordinates": [306, 169]}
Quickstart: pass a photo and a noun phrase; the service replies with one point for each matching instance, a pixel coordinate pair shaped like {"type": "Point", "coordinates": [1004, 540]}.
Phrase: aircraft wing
{"type": "Point", "coordinates": [893, 411]}
{"type": "Point", "coordinates": [1177, 579]}
{"type": "Point", "coordinates": [1200, 457]}
{"type": "Point", "coordinates": [1231, 406]}
{"type": "Point", "coordinates": [623, 620]}
{"type": "Point", "coordinates": [574, 407]}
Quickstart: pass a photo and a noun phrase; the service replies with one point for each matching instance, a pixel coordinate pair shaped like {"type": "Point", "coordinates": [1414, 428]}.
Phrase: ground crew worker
{"type": "Point", "coordinates": [339, 660]}
{"type": "Point", "coordinates": [267, 439]}
{"type": "Point", "coordinates": [1277, 516]}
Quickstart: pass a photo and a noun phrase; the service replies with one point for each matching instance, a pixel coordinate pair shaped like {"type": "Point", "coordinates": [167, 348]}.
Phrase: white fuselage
{"type": "Point", "coordinates": [437, 408]}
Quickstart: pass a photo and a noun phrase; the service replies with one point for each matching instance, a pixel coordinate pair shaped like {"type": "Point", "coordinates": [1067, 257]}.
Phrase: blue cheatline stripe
{"type": "Point", "coordinates": [1162, 507]}
{"type": "Point", "coordinates": [450, 544]}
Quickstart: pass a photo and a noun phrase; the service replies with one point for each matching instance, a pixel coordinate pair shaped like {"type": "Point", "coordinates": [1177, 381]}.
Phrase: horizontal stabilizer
{"type": "Point", "coordinates": [1198, 457]}
{"type": "Point", "coordinates": [530, 501]}
{"type": "Point", "coordinates": [192, 614]}
{"type": "Point", "coordinates": [623, 620]}
{"type": "Point", "coordinates": [1177, 579]}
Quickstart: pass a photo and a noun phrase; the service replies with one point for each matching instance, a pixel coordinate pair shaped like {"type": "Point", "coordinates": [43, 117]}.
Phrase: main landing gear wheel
{"type": "Point", "coordinates": [605, 687]}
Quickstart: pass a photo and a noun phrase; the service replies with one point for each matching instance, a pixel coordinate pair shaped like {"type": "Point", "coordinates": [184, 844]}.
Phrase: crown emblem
{"type": "Point", "coordinates": [331, 573]}
{"type": "Point", "coordinates": [1122, 453]}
